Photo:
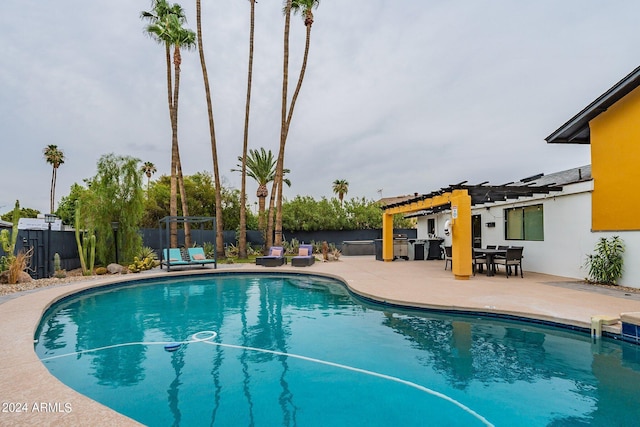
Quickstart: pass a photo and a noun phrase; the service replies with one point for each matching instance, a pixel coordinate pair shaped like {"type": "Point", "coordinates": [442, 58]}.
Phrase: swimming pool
{"type": "Point", "coordinates": [297, 350]}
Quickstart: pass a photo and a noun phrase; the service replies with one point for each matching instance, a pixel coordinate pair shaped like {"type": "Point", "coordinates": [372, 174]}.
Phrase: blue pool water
{"type": "Point", "coordinates": [278, 350]}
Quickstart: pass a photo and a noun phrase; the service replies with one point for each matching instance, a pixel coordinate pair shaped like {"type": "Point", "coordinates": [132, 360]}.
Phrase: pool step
{"type": "Point", "coordinates": [598, 321]}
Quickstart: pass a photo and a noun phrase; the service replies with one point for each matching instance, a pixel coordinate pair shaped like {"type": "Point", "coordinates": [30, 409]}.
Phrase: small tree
{"type": "Point", "coordinates": [605, 266]}
{"type": "Point", "coordinates": [148, 169]}
{"type": "Point", "coordinates": [55, 157]}
{"type": "Point", "coordinates": [340, 187]}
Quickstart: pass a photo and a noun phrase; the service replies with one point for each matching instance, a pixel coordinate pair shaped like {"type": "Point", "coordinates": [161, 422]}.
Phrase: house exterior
{"type": "Point", "coordinates": [611, 125]}
{"type": "Point", "coordinates": [556, 240]}
{"type": "Point", "coordinates": [557, 218]}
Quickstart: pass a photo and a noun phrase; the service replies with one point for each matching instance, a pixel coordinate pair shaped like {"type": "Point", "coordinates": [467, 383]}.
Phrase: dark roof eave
{"type": "Point", "coordinates": [481, 194]}
{"type": "Point", "coordinates": [576, 130]}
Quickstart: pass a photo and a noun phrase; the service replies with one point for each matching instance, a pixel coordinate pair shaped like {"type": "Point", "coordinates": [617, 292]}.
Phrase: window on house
{"type": "Point", "coordinates": [431, 226]}
{"type": "Point", "coordinates": [524, 223]}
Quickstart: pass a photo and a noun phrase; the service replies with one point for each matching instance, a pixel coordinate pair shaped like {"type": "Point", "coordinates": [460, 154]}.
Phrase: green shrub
{"type": "Point", "coordinates": [209, 250]}
{"type": "Point", "coordinates": [147, 252]}
{"type": "Point", "coordinates": [605, 266]}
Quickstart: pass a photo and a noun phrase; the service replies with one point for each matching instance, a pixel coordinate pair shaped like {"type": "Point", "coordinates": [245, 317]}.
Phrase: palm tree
{"type": "Point", "coordinates": [212, 132]}
{"type": "Point", "coordinates": [280, 162]}
{"type": "Point", "coordinates": [340, 187]}
{"type": "Point", "coordinates": [148, 169]}
{"type": "Point", "coordinates": [242, 243]}
{"type": "Point", "coordinates": [261, 166]}
{"type": "Point", "coordinates": [305, 7]}
{"type": "Point", "coordinates": [55, 158]}
{"type": "Point", "coordinates": [165, 27]}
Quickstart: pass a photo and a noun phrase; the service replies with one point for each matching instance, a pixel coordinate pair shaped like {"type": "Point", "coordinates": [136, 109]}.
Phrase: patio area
{"type": "Point", "coordinates": [40, 399]}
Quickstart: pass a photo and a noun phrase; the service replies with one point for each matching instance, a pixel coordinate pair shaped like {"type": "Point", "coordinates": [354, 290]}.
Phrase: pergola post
{"type": "Point", "coordinates": [461, 245]}
{"type": "Point", "coordinates": [387, 237]}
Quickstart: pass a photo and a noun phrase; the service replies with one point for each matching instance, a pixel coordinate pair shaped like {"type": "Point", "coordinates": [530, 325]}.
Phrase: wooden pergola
{"type": "Point", "coordinates": [459, 198]}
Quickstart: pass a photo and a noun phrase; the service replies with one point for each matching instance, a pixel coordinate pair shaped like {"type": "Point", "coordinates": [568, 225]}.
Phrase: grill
{"type": "Point", "coordinates": [400, 246]}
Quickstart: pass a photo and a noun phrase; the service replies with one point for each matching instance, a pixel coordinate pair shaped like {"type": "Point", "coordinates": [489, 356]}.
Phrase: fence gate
{"type": "Point", "coordinates": [35, 240]}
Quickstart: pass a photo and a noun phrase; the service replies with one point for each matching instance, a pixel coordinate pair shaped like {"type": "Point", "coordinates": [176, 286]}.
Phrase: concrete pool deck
{"type": "Point", "coordinates": [30, 395]}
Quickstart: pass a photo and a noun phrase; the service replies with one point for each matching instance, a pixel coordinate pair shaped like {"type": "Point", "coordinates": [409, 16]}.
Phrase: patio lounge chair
{"type": "Point", "coordinates": [173, 257]}
{"type": "Point", "coordinates": [274, 259]}
{"type": "Point", "coordinates": [513, 258]}
{"type": "Point", "coordinates": [305, 257]}
{"type": "Point", "coordinates": [197, 256]}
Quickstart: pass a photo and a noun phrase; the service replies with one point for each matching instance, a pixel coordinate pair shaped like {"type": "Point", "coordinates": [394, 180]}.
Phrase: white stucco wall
{"type": "Point", "coordinates": [568, 238]}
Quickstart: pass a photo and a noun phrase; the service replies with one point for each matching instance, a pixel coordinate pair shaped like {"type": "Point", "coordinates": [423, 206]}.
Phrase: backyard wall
{"type": "Point", "coordinates": [151, 236]}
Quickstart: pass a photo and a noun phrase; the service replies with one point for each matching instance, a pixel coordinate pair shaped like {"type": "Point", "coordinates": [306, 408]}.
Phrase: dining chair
{"type": "Point", "coordinates": [499, 256]}
{"type": "Point", "coordinates": [448, 257]}
{"type": "Point", "coordinates": [513, 258]}
{"type": "Point", "coordinates": [479, 260]}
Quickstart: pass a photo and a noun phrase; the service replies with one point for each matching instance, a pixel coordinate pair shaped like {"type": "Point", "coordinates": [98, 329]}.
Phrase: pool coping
{"type": "Point", "coordinates": [32, 396]}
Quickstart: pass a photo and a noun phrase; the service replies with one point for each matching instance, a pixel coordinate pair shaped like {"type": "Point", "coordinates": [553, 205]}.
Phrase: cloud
{"type": "Point", "coordinates": [404, 97]}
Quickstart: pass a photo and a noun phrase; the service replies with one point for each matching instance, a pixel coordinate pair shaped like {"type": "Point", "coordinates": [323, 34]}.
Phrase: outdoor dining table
{"type": "Point", "coordinates": [490, 254]}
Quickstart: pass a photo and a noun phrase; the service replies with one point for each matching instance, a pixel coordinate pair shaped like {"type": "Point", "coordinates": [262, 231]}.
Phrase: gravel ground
{"type": "Point", "coordinates": [72, 276]}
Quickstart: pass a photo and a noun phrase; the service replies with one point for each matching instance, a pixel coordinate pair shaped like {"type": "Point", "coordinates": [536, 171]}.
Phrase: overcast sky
{"type": "Point", "coordinates": [399, 96]}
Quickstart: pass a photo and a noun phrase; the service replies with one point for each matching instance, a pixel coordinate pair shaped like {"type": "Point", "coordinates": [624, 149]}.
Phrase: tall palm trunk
{"type": "Point", "coordinates": [286, 123]}
{"type": "Point", "coordinates": [277, 182]}
{"type": "Point", "coordinates": [212, 132]}
{"type": "Point", "coordinates": [243, 192]}
{"type": "Point", "coordinates": [177, 59]}
{"type": "Point", "coordinates": [278, 229]}
{"type": "Point", "coordinates": [261, 194]}
{"type": "Point", "coordinates": [183, 200]}
{"type": "Point", "coordinates": [52, 196]}
{"type": "Point", "coordinates": [177, 179]}
{"type": "Point", "coordinates": [173, 201]}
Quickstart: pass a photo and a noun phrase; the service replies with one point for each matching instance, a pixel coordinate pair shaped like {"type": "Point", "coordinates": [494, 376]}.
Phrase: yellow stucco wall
{"type": "Point", "coordinates": [615, 165]}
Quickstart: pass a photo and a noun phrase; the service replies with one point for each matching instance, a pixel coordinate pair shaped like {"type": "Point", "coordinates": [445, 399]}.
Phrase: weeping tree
{"type": "Point", "coordinates": [116, 194]}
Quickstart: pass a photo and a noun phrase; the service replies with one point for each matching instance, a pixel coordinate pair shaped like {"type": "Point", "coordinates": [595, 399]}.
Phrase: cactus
{"type": "Point", "coordinates": [90, 248]}
{"type": "Point", "coordinates": [86, 248]}
{"type": "Point", "coordinates": [56, 261]}
{"type": "Point", "coordinates": [9, 239]}
{"type": "Point", "coordinates": [141, 265]}
{"type": "Point", "coordinates": [59, 273]}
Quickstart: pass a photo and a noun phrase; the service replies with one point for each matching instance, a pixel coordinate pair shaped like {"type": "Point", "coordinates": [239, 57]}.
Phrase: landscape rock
{"type": "Point", "coordinates": [23, 277]}
{"type": "Point", "coordinates": [115, 268]}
